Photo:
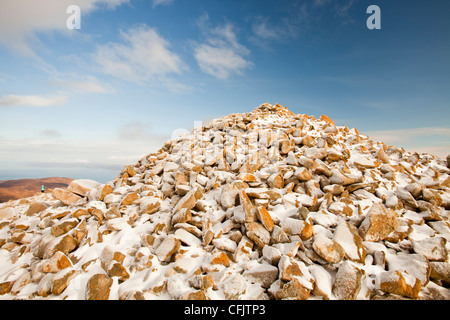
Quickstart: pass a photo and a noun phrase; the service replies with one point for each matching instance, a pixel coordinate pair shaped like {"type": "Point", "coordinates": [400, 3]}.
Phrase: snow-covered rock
{"type": "Point", "coordinates": [264, 204]}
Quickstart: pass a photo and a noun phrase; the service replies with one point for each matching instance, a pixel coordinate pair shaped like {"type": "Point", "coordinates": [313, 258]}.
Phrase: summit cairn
{"type": "Point", "coordinates": [261, 205]}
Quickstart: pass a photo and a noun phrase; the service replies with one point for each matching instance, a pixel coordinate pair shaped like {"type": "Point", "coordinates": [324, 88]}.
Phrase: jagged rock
{"type": "Point", "coordinates": [36, 207]}
{"type": "Point", "coordinates": [168, 247]}
{"type": "Point", "coordinates": [61, 280]}
{"type": "Point", "coordinates": [378, 224]}
{"type": "Point", "coordinates": [400, 283]}
{"type": "Point", "coordinates": [328, 249]}
{"type": "Point", "coordinates": [83, 186]}
{"type": "Point", "coordinates": [57, 262]}
{"type": "Point", "coordinates": [347, 236]}
{"type": "Point", "coordinates": [66, 197]}
{"type": "Point", "coordinates": [65, 244]}
{"type": "Point", "coordinates": [348, 282]}
{"type": "Point", "coordinates": [7, 213]}
{"type": "Point", "coordinates": [98, 287]}
{"type": "Point", "coordinates": [264, 274]}
{"type": "Point", "coordinates": [64, 227]}
{"type": "Point", "coordinates": [234, 286]}
{"type": "Point", "coordinates": [432, 248]}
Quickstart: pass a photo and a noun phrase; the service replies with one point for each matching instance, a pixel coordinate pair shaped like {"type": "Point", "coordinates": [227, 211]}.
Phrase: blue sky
{"type": "Point", "coordinates": [84, 103]}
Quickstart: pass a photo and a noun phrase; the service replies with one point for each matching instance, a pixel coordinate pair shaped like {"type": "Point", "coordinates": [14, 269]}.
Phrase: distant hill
{"type": "Point", "coordinates": [23, 188]}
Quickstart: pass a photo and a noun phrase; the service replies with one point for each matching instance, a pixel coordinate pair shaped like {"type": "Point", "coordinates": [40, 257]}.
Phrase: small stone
{"type": "Point", "coordinates": [130, 199]}
{"type": "Point", "coordinates": [150, 205]}
{"type": "Point", "coordinates": [187, 202]}
{"type": "Point", "coordinates": [432, 248]}
{"type": "Point", "coordinates": [201, 282]}
{"type": "Point", "coordinates": [234, 286]}
{"type": "Point", "coordinates": [82, 187]}
{"type": "Point", "coordinates": [66, 197]}
{"type": "Point", "coordinates": [276, 181]}
{"type": "Point", "coordinates": [258, 233]}
{"type": "Point", "coordinates": [303, 174]}
{"type": "Point", "coordinates": [328, 249]}
{"type": "Point", "coordinates": [103, 191]}
{"type": "Point", "coordinates": [243, 250]}
{"type": "Point", "coordinates": [5, 287]}
{"type": "Point", "coordinates": [169, 246]}
{"type": "Point", "coordinates": [20, 283]}
{"type": "Point", "coordinates": [400, 283]}
{"type": "Point", "coordinates": [348, 281]}
{"type": "Point", "coordinates": [64, 227]}
{"type": "Point", "coordinates": [287, 146]}
{"type": "Point", "coordinates": [264, 274]}
{"type": "Point", "coordinates": [264, 217]}
{"type": "Point", "coordinates": [379, 223]}
{"type": "Point", "coordinates": [57, 262]}
{"type": "Point", "coordinates": [36, 207]}
{"type": "Point", "coordinates": [98, 287]}
{"type": "Point", "coordinates": [292, 290]}
{"type": "Point", "coordinates": [347, 236]}
{"type": "Point", "coordinates": [61, 280]}
{"type": "Point", "coordinates": [65, 244]}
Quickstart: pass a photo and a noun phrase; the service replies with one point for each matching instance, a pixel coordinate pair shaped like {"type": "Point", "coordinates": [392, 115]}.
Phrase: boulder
{"type": "Point", "coordinates": [347, 283]}
{"type": "Point", "coordinates": [346, 235]}
{"type": "Point", "coordinates": [98, 287]}
{"type": "Point", "coordinates": [432, 248]}
{"type": "Point", "coordinates": [379, 223]}
{"type": "Point", "coordinates": [82, 187]}
{"type": "Point", "coordinates": [66, 197]}
{"type": "Point", "coordinates": [233, 286]}
{"type": "Point", "coordinates": [36, 207]}
{"type": "Point", "coordinates": [264, 274]}
{"type": "Point", "coordinates": [61, 279]}
{"type": "Point", "coordinates": [168, 246]}
{"type": "Point", "coordinates": [401, 283]}
{"type": "Point", "coordinates": [328, 249]}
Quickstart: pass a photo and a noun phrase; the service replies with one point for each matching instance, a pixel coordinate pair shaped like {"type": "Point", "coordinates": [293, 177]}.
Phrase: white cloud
{"type": "Point", "coordinates": [88, 86]}
{"type": "Point", "coordinates": [143, 57]}
{"type": "Point", "coordinates": [161, 2]}
{"type": "Point", "coordinates": [32, 101]}
{"type": "Point", "coordinates": [137, 131]}
{"type": "Point", "coordinates": [21, 20]}
{"type": "Point", "coordinates": [82, 84]}
{"type": "Point", "coordinates": [221, 55]}
{"type": "Point", "coordinates": [50, 133]}
{"type": "Point", "coordinates": [284, 30]}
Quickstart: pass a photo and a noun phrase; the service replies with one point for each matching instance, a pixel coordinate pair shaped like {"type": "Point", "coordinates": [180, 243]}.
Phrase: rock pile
{"type": "Point", "coordinates": [260, 205]}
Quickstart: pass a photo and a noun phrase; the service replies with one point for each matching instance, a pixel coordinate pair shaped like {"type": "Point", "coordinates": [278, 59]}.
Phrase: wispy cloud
{"type": "Point", "coordinates": [161, 2]}
{"type": "Point", "coordinates": [22, 20]}
{"type": "Point", "coordinates": [32, 101]}
{"type": "Point", "coordinates": [143, 57]}
{"type": "Point", "coordinates": [138, 131]}
{"type": "Point", "coordinates": [50, 133]}
{"type": "Point", "coordinates": [265, 31]}
{"type": "Point", "coordinates": [221, 55]}
{"type": "Point", "coordinates": [87, 85]}
{"type": "Point", "coordinates": [434, 140]}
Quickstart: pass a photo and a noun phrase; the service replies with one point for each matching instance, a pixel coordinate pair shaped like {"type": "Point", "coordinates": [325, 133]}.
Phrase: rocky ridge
{"type": "Point", "coordinates": [261, 205]}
